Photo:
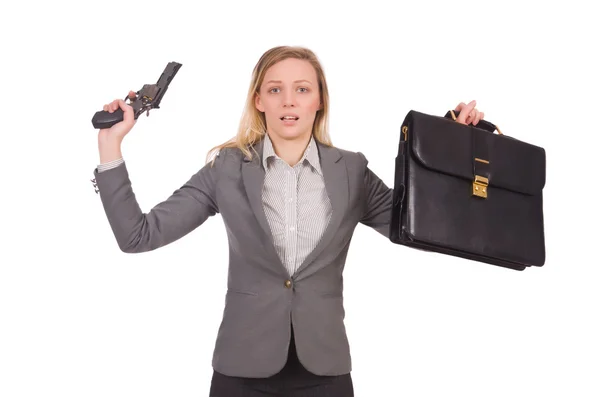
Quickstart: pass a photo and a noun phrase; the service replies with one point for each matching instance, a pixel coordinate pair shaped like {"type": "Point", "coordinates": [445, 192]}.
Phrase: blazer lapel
{"type": "Point", "coordinates": [253, 175]}
{"type": "Point", "coordinates": [336, 183]}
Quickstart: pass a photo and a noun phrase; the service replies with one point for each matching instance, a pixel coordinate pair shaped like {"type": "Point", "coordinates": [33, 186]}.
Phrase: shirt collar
{"type": "Point", "coordinates": [311, 153]}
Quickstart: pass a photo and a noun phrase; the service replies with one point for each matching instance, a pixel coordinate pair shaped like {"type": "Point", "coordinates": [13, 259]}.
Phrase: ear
{"type": "Point", "coordinates": [258, 103]}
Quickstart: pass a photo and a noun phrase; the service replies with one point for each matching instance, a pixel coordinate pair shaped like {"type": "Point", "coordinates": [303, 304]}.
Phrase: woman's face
{"type": "Point", "coordinates": [290, 87]}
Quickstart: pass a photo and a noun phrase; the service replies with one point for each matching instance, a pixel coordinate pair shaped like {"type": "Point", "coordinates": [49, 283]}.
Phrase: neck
{"type": "Point", "coordinates": [290, 151]}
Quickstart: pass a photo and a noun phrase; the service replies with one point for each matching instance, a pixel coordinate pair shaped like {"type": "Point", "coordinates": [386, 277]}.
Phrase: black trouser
{"type": "Point", "coordinates": [292, 381]}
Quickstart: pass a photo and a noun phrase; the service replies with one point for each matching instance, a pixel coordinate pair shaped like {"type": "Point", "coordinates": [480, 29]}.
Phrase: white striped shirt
{"type": "Point", "coordinates": [295, 202]}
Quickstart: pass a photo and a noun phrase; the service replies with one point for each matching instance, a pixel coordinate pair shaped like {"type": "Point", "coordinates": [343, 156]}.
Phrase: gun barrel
{"type": "Point", "coordinates": [164, 80]}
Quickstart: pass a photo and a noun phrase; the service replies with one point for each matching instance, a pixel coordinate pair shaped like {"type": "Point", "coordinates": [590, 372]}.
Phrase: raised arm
{"type": "Point", "coordinates": [135, 231]}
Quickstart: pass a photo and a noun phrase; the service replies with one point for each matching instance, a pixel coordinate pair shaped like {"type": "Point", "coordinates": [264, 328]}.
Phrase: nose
{"type": "Point", "coordinates": [289, 99]}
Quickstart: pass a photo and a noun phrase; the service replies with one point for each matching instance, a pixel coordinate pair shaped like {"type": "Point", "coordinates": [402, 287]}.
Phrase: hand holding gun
{"type": "Point", "coordinates": [147, 98]}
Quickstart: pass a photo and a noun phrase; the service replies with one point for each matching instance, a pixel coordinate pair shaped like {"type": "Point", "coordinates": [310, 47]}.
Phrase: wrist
{"type": "Point", "coordinates": [110, 150]}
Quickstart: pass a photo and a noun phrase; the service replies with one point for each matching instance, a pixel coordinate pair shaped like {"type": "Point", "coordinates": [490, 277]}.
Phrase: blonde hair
{"type": "Point", "coordinates": [253, 125]}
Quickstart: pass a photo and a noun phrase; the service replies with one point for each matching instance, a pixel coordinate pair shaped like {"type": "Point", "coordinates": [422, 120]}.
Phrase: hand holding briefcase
{"type": "Point", "coordinates": [464, 190]}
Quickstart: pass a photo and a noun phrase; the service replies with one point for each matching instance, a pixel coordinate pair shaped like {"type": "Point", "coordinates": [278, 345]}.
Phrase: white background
{"type": "Point", "coordinates": [80, 318]}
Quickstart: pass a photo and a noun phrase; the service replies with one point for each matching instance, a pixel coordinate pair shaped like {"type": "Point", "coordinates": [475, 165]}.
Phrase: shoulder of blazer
{"type": "Point", "coordinates": [229, 161]}
{"type": "Point", "coordinates": [334, 154]}
{"type": "Point", "coordinates": [231, 154]}
{"type": "Point", "coordinates": [353, 159]}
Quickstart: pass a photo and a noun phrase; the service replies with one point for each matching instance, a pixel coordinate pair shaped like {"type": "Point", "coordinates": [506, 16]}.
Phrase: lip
{"type": "Point", "coordinates": [289, 114]}
{"type": "Point", "coordinates": [289, 122]}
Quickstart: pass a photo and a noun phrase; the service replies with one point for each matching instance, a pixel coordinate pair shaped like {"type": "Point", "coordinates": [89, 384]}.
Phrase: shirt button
{"type": "Point", "coordinates": [290, 200]}
{"type": "Point", "coordinates": [292, 228]}
{"type": "Point", "coordinates": [288, 284]}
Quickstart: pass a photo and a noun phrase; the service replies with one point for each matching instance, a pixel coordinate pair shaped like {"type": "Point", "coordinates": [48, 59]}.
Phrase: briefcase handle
{"type": "Point", "coordinates": [483, 124]}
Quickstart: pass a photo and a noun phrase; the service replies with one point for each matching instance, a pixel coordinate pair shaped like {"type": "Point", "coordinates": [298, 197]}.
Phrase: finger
{"type": "Point", "coordinates": [464, 113]}
{"type": "Point", "coordinates": [472, 116]}
{"type": "Point", "coordinates": [131, 97]}
{"type": "Point", "coordinates": [477, 117]}
{"type": "Point", "coordinates": [460, 106]}
{"type": "Point", "coordinates": [470, 106]}
{"type": "Point", "coordinates": [127, 110]}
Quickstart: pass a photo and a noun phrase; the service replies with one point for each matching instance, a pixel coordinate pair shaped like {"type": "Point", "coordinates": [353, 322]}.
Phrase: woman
{"type": "Point", "coordinates": [290, 201]}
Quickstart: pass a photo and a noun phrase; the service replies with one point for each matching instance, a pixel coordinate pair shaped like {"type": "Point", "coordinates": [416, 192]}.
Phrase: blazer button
{"type": "Point", "coordinates": [288, 284]}
{"type": "Point", "coordinates": [95, 185]}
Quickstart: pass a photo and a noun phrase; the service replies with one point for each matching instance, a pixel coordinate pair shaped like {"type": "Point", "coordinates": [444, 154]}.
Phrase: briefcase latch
{"type": "Point", "coordinates": [480, 186]}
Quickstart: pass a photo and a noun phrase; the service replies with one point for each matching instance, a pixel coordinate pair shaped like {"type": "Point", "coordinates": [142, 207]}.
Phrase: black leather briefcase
{"type": "Point", "coordinates": [467, 191]}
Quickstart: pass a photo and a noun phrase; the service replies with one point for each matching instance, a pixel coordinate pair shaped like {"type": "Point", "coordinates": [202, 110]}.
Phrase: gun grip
{"type": "Point", "coordinates": [104, 119]}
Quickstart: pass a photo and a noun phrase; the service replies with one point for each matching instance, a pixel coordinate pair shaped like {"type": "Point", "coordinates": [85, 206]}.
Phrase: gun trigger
{"type": "Point", "coordinates": [147, 112]}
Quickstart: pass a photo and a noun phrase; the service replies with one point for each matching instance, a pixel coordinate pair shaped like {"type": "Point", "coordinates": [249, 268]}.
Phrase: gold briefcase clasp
{"type": "Point", "coordinates": [480, 186]}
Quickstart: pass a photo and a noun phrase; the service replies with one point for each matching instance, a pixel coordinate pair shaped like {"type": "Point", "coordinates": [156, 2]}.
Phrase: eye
{"type": "Point", "coordinates": [301, 88]}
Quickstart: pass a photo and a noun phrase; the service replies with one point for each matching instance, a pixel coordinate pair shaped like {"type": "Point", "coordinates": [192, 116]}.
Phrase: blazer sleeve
{"type": "Point", "coordinates": [377, 211]}
{"type": "Point", "coordinates": [187, 208]}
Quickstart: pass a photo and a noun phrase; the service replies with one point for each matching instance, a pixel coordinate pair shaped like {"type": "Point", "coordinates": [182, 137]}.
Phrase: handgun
{"type": "Point", "coordinates": [147, 98]}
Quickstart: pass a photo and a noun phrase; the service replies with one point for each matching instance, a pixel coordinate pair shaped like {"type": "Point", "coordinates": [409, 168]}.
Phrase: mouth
{"type": "Point", "coordinates": [289, 118]}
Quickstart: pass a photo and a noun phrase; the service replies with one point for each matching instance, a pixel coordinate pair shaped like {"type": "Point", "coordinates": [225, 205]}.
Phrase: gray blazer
{"type": "Point", "coordinates": [262, 299]}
